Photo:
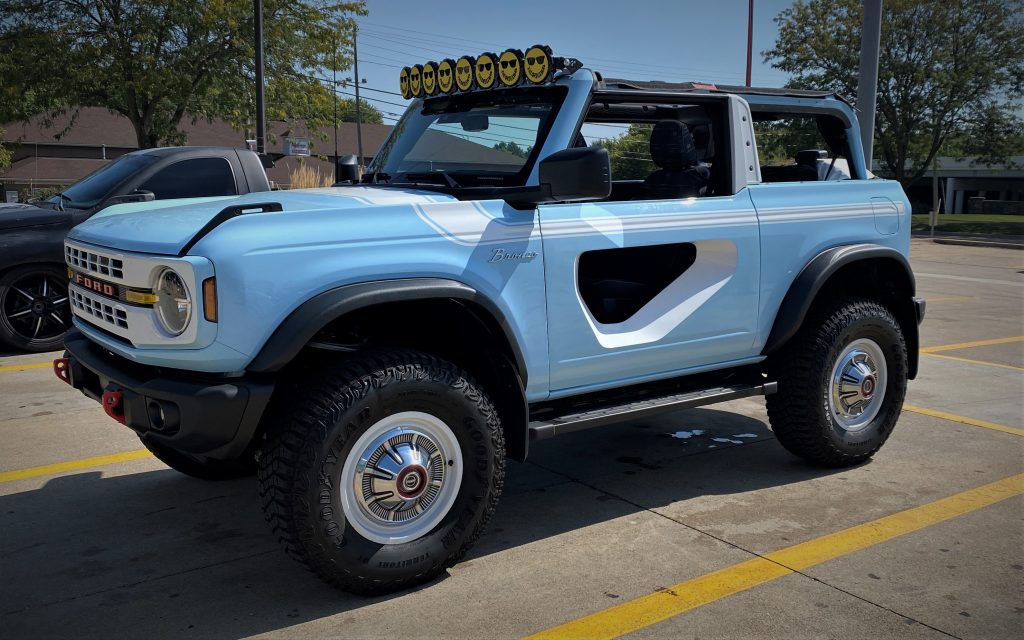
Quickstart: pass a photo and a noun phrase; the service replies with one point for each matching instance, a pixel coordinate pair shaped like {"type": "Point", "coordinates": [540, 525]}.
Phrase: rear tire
{"type": "Point", "coordinates": [379, 473]}
{"type": "Point", "coordinates": [842, 380]}
{"type": "Point", "coordinates": [200, 466]}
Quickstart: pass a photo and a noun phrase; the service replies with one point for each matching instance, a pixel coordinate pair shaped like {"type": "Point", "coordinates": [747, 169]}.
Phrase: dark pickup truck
{"type": "Point", "coordinates": [34, 310]}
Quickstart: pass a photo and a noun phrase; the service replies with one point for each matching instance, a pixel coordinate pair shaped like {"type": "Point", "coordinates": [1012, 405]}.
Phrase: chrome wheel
{"type": "Point", "coordinates": [401, 477]}
{"type": "Point", "coordinates": [858, 383]}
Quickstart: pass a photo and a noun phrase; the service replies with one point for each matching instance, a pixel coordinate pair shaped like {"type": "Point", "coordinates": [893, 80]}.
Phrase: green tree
{"type": "Point", "coordinates": [5, 153]}
{"type": "Point", "coordinates": [630, 153]}
{"type": "Point", "coordinates": [951, 69]}
{"type": "Point", "coordinates": [508, 146]}
{"type": "Point", "coordinates": [367, 112]}
{"type": "Point", "coordinates": [155, 61]}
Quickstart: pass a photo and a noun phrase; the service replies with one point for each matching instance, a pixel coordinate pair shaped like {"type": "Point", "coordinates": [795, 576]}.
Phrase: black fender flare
{"type": "Point", "coordinates": [808, 283]}
{"type": "Point", "coordinates": [305, 321]}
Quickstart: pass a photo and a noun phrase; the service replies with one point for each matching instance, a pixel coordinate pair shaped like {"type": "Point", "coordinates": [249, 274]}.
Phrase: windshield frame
{"type": "Point", "coordinates": [461, 103]}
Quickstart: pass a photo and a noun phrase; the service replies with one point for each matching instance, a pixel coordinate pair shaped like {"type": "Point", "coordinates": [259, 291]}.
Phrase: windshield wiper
{"type": "Point", "coordinates": [376, 176]}
{"type": "Point", "coordinates": [426, 175]}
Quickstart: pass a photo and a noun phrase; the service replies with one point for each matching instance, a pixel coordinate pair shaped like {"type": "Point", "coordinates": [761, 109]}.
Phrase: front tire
{"type": "Point", "coordinates": [842, 380]}
{"type": "Point", "coordinates": [380, 472]}
{"type": "Point", "coordinates": [34, 309]}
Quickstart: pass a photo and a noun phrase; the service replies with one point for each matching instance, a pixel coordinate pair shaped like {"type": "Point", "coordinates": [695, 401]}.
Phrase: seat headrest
{"type": "Point", "coordinates": [672, 145]}
{"type": "Point", "coordinates": [703, 141]}
{"type": "Point", "coordinates": [809, 157]}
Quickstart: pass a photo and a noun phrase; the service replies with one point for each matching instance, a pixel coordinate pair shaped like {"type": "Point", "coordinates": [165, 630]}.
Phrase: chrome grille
{"type": "Point", "coordinates": [94, 262]}
{"type": "Point", "coordinates": [97, 309]}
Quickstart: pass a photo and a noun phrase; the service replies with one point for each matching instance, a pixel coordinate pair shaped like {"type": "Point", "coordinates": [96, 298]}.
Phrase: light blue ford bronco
{"type": "Point", "coordinates": [375, 351]}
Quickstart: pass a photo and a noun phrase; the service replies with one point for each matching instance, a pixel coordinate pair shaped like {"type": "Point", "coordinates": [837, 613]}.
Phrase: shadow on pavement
{"type": "Point", "coordinates": [158, 554]}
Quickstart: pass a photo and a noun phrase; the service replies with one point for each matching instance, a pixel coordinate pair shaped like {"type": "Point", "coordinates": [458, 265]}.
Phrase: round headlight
{"type": "Point", "coordinates": [173, 302]}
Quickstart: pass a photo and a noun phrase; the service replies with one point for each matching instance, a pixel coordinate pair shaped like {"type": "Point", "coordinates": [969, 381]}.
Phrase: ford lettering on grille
{"type": "Point", "coordinates": [93, 284]}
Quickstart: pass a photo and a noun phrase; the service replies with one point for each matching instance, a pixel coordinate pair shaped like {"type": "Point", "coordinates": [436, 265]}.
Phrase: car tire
{"type": "Point", "coordinates": [34, 309]}
{"type": "Point", "coordinates": [842, 380]}
{"type": "Point", "coordinates": [201, 467]}
{"type": "Point", "coordinates": [379, 472]}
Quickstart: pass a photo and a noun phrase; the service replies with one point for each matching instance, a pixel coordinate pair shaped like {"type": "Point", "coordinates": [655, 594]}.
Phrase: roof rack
{"type": "Point", "coordinates": [685, 87]}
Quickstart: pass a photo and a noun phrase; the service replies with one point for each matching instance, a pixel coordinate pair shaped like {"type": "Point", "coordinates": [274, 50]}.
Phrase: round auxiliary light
{"type": "Point", "coordinates": [510, 67]}
{"type": "Point", "coordinates": [416, 80]}
{"type": "Point", "coordinates": [486, 70]}
{"type": "Point", "coordinates": [537, 64]}
{"type": "Point", "coordinates": [446, 76]}
{"type": "Point", "coordinates": [464, 71]}
{"type": "Point", "coordinates": [403, 83]}
{"type": "Point", "coordinates": [173, 302]}
{"type": "Point", "coordinates": [430, 78]}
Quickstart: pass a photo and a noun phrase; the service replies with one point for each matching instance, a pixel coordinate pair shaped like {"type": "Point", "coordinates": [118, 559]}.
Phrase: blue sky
{"type": "Point", "coordinates": [672, 40]}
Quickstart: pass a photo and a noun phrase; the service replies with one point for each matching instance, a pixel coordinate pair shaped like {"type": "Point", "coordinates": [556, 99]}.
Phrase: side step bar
{"type": "Point", "coordinates": [570, 422]}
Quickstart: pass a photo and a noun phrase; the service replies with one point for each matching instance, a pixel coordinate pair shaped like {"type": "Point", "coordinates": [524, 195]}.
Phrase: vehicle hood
{"type": "Point", "coordinates": [16, 216]}
{"type": "Point", "coordinates": [165, 227]}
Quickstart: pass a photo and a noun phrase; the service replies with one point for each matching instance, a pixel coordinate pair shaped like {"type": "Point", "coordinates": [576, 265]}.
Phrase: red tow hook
{"type": "Point", "coordinates": [62, 369]}
{"type": "Point", "coordinates": [113, 404]}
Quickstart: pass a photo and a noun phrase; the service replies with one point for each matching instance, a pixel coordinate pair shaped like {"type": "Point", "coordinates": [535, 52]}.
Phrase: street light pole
{"type": "Point", "coordinates": [261, 133]}
{"type": "Point", "coordinates": [334, 98]}
{"type": "Point", "coordinates": [867, 85]}
{"type": "Point", "coordinates": [359, 118]}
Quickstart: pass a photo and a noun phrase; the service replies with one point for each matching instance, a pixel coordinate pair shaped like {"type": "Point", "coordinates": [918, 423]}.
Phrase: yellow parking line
{"type": "Point", "coordinates": [73, 465]}
{"type": "Point", "coordinates": [973, 361]}
{"type": "Point", "coordinates": [973, 343]}
{"type": "Point", "coordinates": [23, 367]}
{"type": "Point", "coordinates": [964, 420]}
{"type": "Point", "coordinates": [666, 603]}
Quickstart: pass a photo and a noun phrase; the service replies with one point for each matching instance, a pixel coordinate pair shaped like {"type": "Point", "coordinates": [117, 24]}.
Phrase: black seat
{"type": "Point", "coordinates": [679, 176]}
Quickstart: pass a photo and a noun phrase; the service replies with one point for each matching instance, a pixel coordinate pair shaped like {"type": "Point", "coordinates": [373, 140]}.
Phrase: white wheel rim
{"type": "Point", "coordinates": [401, 477]}
{"type": "Point", "coordinates": [857, 384]}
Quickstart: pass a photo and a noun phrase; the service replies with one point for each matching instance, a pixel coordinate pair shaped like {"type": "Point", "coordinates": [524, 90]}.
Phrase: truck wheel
{"type": "Point", "coordinates": [380, 472]}
{"type": "Point", "coordinates": [200, 466]}
{"type": "Point", "coordinates": [841, 384]}
{"type": "Point", "coordinates": [34, 309]}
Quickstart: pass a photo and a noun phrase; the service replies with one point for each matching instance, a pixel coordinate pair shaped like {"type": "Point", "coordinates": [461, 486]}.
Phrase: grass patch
{"type": "Point", "coordinates": [972, 223]}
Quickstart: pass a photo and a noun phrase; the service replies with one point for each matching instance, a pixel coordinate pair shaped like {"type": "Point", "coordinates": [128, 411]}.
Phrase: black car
{"type": "Point", "coordinates": [34, 310]}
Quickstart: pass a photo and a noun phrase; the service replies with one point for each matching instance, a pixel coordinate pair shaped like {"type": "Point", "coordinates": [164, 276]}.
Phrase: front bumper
{"type": "Point", "coordinates": [208, 415]}
{"type": "Point", "coordinates": [919, 307]}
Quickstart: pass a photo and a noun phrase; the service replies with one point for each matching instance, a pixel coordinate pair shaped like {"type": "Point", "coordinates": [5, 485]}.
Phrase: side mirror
{"type": "Point", "coordinates": [577, 174]}
{"type": "Point", "coordinates": [138, 195]}
{"type": "Point", "coordinates": [347, 169]}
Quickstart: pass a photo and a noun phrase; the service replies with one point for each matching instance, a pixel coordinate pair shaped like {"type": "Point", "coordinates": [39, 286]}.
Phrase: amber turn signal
{"type": "Point", "coordinates": [210, 299]}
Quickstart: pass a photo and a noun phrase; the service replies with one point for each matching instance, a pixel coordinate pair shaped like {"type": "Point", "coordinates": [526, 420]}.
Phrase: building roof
{"type": "Point", "coordinates": [95, 126]}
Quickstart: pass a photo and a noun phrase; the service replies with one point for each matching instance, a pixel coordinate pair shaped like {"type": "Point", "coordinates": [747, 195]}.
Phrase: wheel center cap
{"type": "Point", "coordinates": [411, 481]}
{"type": "Point", "coordinates": [38, 307]}
{"type": "Point", "coordinates": [867, 387]}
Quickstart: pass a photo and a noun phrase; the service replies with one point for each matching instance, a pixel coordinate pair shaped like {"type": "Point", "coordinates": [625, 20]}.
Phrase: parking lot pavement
{"type": "Point", "coordinates": [648, 529]}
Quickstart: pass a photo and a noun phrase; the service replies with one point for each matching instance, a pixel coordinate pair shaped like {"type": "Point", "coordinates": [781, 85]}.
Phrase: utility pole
{"type": "Point", "coordinates": [261, 133]}
{"type": "Point", "coordinates": [867, 85]}
{"type": "Point", "coordinates": [359, 117]}
{"type": "Point", "coordinates": [750, 37]}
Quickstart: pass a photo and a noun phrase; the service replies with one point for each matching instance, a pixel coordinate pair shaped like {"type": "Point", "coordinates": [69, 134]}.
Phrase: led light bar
{"type": "Point", "coordinates": [488, 70]}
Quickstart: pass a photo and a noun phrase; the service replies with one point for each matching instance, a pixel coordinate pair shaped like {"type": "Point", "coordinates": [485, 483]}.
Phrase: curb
{"type": "Point", "coordinates": [977, 243]}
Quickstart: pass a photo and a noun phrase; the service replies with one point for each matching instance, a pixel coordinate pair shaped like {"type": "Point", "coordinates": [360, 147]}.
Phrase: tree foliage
{"type": "Point", "coordinates": [948, 70]}
{"type": "Point", "coordinates": [155, 61]}
{"type": "Point", "coordinates": [508, 146]}
{"type": "Point", "coordinates": [5, 153]}
{"type": "Point", "coordinates": [630, 153]}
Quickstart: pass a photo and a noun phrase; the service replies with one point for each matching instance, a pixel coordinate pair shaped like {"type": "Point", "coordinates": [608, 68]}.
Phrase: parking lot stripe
{"type": "Point", "coordinates": [73, 465]}
{"type": "Point", "coordinates": [963, 419]}
{"type": "Point", "coordinates": [973, 361]}
{"type": "Point", "coordinates": [23, 367]}
{"type": "Point", "coordinates": [950, 299]}
{"type": "Point", "coordinates": [669, 602]}
{"type": "Point", "coordinates": [973, 343]}
{"type": "Point", "coordinates": [944, 276]}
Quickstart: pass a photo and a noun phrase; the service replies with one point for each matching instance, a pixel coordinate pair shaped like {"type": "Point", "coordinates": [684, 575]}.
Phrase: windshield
{"type": "Point", "coordinates": [90, 190]}
{"type": "Point", "coordinates": [481, 139]}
